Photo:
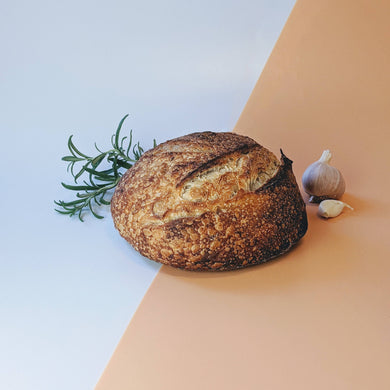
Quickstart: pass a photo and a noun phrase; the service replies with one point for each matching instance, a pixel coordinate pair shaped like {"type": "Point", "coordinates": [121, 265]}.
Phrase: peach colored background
{"type": "Point", "coordinates": [319, 316]}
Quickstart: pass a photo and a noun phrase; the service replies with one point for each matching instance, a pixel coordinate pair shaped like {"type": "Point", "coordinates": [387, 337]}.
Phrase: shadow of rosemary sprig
{"type": "Point", "coordinates": [97, 182]}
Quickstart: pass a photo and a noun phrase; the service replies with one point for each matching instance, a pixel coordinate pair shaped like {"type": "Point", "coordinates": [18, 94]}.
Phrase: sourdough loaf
{"type": "Point", "coordinates": [210, 201]}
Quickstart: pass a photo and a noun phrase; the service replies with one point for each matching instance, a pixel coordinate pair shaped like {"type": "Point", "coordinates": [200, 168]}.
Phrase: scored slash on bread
{"type": "Point", "coordinates": [210, 201]}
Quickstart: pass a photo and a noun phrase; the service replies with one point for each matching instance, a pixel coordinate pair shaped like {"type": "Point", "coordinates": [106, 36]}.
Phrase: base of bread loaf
{"type": "Point", "coordinates": [250, 225]}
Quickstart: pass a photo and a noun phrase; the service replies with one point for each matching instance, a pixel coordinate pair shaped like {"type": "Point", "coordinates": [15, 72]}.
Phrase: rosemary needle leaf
{"type": "Point", "coordinates": [103, 201]}
{"type": "Point", "coordinates": [68, 204]}
{"type": "Point", "coordinates": [97, 160]}
{"type": "Point", "coordinates": [118, 130]}
{"type": "Point", "coordinates": [62, 211]}
{"type": "Point", "coordinates": [98, 183]}
{"type": "Point", "coordinates": [73, 148]}
{"type": "Point", "coordinates": [79, 174]}
{"type": "Point", "coordinates": [130, 142]}
{"type": "Point", "coordinates": [123, 141]}
{"type": "Point", "coordinates": [96, 147]}
{"type": "Point", "coordinates": [93, 212]}
{"type": "Point", "coordinates": [80, 217]}
{"type": "Point", "coordinates": [79, 188]}
{"type": "Point", "coordinates": [72, 158]}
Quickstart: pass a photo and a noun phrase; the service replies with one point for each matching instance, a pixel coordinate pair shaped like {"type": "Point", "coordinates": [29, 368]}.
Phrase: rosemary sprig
{"type": "Point", "coordinates": [97, 182]}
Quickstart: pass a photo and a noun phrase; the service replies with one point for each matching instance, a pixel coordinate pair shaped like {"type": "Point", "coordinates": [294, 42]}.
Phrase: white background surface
{"type": "Point", "coordinates": [68, 289]}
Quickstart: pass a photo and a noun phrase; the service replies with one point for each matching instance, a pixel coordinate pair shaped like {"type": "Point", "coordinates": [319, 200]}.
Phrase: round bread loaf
{"type": "Point", "coordinates": [210, 201]}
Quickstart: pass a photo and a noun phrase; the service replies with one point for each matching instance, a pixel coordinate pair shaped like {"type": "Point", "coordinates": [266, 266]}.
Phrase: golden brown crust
{"type": "Point", "coordinates": [210, 201]}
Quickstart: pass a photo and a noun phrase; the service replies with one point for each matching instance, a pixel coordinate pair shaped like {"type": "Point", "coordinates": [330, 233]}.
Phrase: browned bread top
{"type": "Point", "coordinates": [185, 200]}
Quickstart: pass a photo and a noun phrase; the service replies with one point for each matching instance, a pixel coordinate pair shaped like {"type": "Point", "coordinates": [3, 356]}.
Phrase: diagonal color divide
{"type": "Point", "coordinates": [318, 317]}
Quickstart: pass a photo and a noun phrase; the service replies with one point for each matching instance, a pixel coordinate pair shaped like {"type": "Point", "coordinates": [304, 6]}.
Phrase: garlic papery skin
{"type": "Point", "coordinates": [331, 208]}
{"type": "Point", "coordinates": [322, 181]}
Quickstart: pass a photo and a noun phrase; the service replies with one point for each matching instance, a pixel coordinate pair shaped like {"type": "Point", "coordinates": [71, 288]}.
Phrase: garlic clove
{"type": "Point", "coordinates": [331, 208]}
{"type": "Point", "coordinates": [322, 181]}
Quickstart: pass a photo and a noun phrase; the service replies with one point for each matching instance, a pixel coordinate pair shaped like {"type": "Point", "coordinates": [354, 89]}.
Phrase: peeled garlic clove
{"type": "Point", "coordinates": [331, 208]}
{"type": "Point", "coordinates": [322, 181]}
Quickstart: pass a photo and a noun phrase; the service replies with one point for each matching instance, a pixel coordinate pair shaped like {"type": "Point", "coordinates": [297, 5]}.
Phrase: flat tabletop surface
{"type": "Point", "coordinates": [317, 317]}
{"type": "Point", "coordinates": [68, 289]}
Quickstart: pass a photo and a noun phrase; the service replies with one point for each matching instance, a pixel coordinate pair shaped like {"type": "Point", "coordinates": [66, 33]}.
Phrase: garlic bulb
{"type": "Point", "coordinates": [331, 208]}
{"type": "Point", "coordinates": [322, 181]}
